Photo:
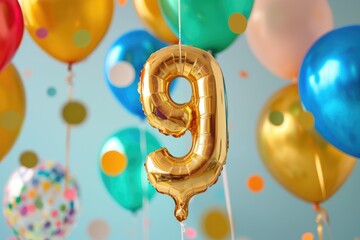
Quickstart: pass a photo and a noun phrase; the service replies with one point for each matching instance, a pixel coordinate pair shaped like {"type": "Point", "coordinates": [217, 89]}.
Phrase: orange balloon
{"type": "Point", "coordinates": [12, 108]}
{"type": "Point", "coordinates": [150, 13]}
{"type": "Point", "coordinates": [280, 32]}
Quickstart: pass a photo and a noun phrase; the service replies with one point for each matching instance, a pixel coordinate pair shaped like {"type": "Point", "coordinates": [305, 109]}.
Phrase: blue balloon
{"type": "Point", "coordinates": [133, 49]}
{"type": "Point", "coordinates": [329, 85]}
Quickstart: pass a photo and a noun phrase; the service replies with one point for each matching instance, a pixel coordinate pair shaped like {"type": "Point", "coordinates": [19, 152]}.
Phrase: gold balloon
{"type": "Point", "coordinates": [150, 13]}
{"type": "Point", "coordinates": [68, 30]}
{"type": "Point", "coordinates": [295, 154]}
{"type": "Point", "coordinates": [12, 108]}
{"type": "Point", "coordinates": [204, 116]}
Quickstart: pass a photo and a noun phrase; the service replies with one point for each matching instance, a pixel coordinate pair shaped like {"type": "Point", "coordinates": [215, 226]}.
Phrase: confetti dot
{"type": "Point", "coordinates": [256, 183]}
{"type": "Point", "coordinates": [307, 236]}
{"type": "Point", "coordinates": [70, 194]}
{"type": "Point", "coordinates": [190, 233]}
{"type": "Point", "coordinates": [74, 112]}
{"type": "Point", "coordinates": [38, 203]}
{"type": "Point", "coordinates": [82, 38]}
{"type": "Point", "coordinates": [215, 224]}
{"type": "Point", "coordinates": [31, 208]}
{"type": "Point", "coordinates": [122, 74]}
{"type": "Point", "coordinates": [27, 73]}
{"type": "Point", "coordinates": [51, 91]}
{"type": "Point", "coordinates": [42, 33]}
{"type": "Point", "coordinates": [10, 120]}
{"type": "Point", "coordinates": [98, 229]}
{"type": "Point", "coordinates": [122, 2]}
{"type": "Point", "coordinates": [306, 119]}
{"type": "Point", "coordinates": [32, 194]}
{"type": "Point", "coordinates": [276, 118]}
{"type": "Point", "coordinates": [244, 74]}
{"type": "Point", "coordinates": [237, 23]}
{"type": "Point", "coordinates": [113, 163]}
{"type": "Point", "coordinates": [46, 186]}
{"type": "Point", "coordinates": [29, 159]}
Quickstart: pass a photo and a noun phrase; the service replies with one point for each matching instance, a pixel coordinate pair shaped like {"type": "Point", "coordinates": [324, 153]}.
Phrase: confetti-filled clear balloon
{"type": "Point", "coordinates": [35, 204]}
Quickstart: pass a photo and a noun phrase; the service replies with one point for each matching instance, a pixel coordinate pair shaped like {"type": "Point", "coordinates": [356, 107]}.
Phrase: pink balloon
{"type": "Point", "coordinates": [11, 30]}
{"type": "Point", "coordinates": [280, 32]}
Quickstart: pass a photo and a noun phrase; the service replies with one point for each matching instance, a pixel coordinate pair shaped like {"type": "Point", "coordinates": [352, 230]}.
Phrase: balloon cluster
{"type": "Point", "coordinates": [307, 151]}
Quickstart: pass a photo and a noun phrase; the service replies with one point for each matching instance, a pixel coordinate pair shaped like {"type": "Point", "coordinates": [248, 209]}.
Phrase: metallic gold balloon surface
{"type": "Point", "coordinates": [68, 30]}
{"type": "Point", "coordinates": [295, 154]}
{"type": "Point", "coordinates": [150, 13]}
{"type": "Point", "coordinates": [205, 116]}
{"type": "Point", "coordinates": [12, 108]}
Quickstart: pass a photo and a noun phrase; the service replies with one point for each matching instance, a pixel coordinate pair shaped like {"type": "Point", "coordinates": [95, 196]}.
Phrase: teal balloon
{"type": "Point", "coordinates": [131, 186]}
{"type": "Point", "coordinates": [205, 22]}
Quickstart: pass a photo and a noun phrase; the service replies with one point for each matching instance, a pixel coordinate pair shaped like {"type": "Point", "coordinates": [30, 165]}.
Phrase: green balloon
{"type": "Point", "coordinates": [205, 22]}
{"type": "Point", "coordinates": [131, 186]}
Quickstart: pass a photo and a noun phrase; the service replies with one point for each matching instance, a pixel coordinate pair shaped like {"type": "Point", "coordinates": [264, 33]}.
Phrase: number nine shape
{"type": "Point", "coordinates": [205, 116]}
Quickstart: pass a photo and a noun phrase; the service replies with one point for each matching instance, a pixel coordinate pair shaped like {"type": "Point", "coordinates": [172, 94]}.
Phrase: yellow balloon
{"type": "Point", "coordinates": [204, 116]}
{"type": "Point", "coordinates": [12, 108]}
{"type": "Point", "coordinates": [295, 154]}
{"type": "Point", "coordinates": [68, 30]}
{"type": "Point", "coordinates": [150, 13]}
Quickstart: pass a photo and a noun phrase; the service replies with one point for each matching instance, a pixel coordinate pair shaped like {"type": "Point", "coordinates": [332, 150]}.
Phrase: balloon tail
{"type": "Point", "coordinates": [228, 202]}
{"type": "Point", "coordinates": [321, 219]}
{"type": "Point", "coordinates": [320, 174]}
{"type": "Point", "coordinates": [69, 81]}
{"type": "Point", "coordinates": [179, 23]}
{"type": "Point", "coordinates": [183, 229]}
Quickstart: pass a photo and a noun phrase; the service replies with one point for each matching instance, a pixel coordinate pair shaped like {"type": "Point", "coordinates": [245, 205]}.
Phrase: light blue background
{"type": "Point", "coordinates": [272, 214]}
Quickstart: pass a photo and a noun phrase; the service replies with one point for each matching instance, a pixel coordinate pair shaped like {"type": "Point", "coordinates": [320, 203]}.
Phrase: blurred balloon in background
{"type": "Point", "coordinates": [11, 30]}
{"type": "Point", "coordinates": [39, 203]}
{"type": "Point", "coordinates": [12, 108]}
{"type": "Point", "coordinates": [329, 86]}
{"type": "Point", "coordinates": [122, 159]}
{"type": "Point", "coordinates": [280, 32]}
{"type": "Point", "coordinates": [68, 30]}
{"type": "Point", "coordinates": [123, 64]}
{"type": "Point", "coordinates": [150, 14]}
{"type": "Point", "coordinates": [295, 154]}
{"type": "Point", "coordinates": [211, 25]}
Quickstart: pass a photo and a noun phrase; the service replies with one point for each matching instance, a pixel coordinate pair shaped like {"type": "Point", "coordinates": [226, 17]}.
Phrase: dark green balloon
{"type": "Point", "coordinates": [205, 22]}
{"type": "Point", "coordinates": [131, 186]}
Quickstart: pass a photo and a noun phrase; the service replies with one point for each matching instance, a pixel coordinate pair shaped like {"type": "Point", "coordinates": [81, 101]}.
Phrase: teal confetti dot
{"type": "Point", "coordinates": [51, 91]}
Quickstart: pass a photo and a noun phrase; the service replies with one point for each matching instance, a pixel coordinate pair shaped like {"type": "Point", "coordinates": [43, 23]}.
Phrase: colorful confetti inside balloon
{"type": "Point", "coordinates": [39, 204]}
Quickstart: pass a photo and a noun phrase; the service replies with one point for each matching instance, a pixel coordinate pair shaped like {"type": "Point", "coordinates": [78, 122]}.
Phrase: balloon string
{"type": "Point", "coordinates": [321, 219]}
{"type": "Point", "coordinates": [228, 202]}
{"type": "Point", "coordinates": [70, 82]}
{"type": "Point", "coordinates": [320, 176]}
{"type": "Point", "coordinates": [145, 202]}
{"type": "Point", "coordinates": [179, 23]}
{"type": "Point", "coordinates": [183, 229]}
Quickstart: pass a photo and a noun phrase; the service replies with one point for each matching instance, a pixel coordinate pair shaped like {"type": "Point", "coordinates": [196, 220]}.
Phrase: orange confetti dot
{"type": "Point", "coordinates": [237, 23]}
{"type": "Point", "coordinates": [256, 183]}
{"type": "Point", "coordinates": [46, 186]}
{"type": "Point", "coordinates": [122, 2]}
{"type": "Point", "coordinates": [307, 236]}
{"type": "Point", "coordinates": [31, 194]}
{"type": "Point", "coordinates": [113, 163]}
{"type": "Point", "coordinates": [244, 74]}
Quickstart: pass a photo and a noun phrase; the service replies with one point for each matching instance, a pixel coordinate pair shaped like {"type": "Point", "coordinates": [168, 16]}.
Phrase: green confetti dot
{"type": "Point", "coordinates": [74, 112]}
{"type": "Point", "coordinates": [63, 208]}
{"type": "Point", "coordinates": [276, 118]}
{"type": "Point", "coordinates": [29, 159]}
{"type": "Point", "coordinates": [10, 206]}
{"type": "Point", "coordinates": [82, 38]}
{"type": "Point", "coordinates": [18, 200]}
{"type": "Point", "coordinates": [38, 203]}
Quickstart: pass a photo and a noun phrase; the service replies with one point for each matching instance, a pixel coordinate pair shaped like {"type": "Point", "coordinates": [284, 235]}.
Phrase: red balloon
{"type": "Point", "coordinates": [11, 30]}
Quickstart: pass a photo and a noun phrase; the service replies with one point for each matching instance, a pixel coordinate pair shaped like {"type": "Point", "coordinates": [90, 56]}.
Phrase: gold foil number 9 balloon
{"type": "Point", "coordinates": [204, 116]}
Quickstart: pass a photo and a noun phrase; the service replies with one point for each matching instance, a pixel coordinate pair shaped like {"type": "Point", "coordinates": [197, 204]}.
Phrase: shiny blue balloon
{"type": "Point", "coordinates": [329, 85]}
{"type": "Point", "coordinates": [133, 48]}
